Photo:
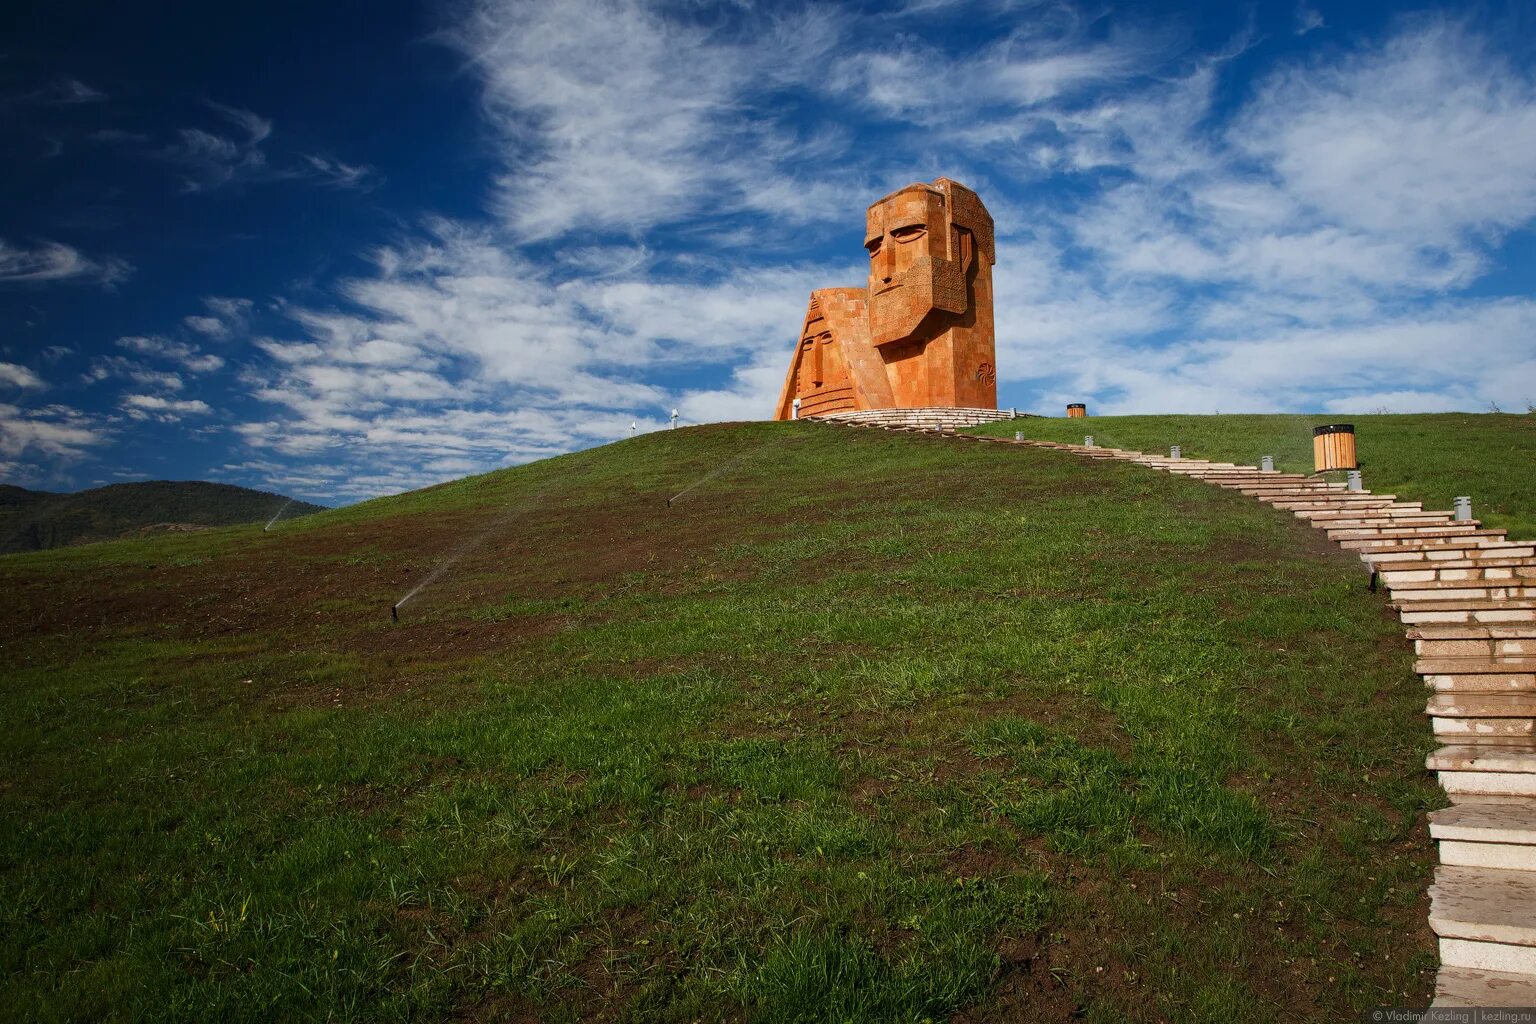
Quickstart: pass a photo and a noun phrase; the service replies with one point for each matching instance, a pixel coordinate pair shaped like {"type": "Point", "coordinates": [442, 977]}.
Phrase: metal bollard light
{"type": "Point", "coordinates": [794, 409]}
{"type": "Point", "coordinates": [1018, 435]}
{"type": "Point", "coordinates": [1176, 452]}
{"type": "Point", "coordinates": [1354, 481]}
{"type": "Point", "coordinates": [1267, 464]}
{"type": "Point", "coordinates": [1088, 441]}
{"type": "Point", "coordinates": [674, 419]}
{"type": "Point", "coordinates": [1463, 508]}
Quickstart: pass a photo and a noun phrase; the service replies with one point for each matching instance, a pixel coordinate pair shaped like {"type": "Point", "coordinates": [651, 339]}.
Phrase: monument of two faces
{"type": "Point", "coordinates": [921, 334]}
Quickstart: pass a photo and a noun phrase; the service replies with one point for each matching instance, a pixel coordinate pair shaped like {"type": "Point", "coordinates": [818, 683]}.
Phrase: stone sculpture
{"type": "Point", "coordinates": [920, 335]}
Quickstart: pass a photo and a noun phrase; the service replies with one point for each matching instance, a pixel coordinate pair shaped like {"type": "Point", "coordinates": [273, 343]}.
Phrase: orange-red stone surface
{"type": "Point", "coordinates": [921, 333]}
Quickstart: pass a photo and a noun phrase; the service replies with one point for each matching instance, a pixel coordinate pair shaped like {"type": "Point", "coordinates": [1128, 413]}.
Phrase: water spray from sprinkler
{"type": "Point", "coordinates": [473, 543]}
{"type": "Point", "coordinates": [276, 515]}
{"type": "Point", "coordinates": [723, 467]}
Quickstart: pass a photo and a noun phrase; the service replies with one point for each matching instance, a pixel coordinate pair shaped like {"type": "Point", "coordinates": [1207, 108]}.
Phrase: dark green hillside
{"type": "Point", "coordinates": [38, 520]}
{"type": "Point", "coordinates": [867, 727]}
{"type": "Point", "coordinates": [1429, 457]}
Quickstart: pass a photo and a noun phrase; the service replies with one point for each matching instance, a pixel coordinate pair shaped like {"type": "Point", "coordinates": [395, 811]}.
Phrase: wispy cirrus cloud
{"type": "Point", "coordinates": [48, 262]}
{"type": "Point", "coordinates": [236, 152]}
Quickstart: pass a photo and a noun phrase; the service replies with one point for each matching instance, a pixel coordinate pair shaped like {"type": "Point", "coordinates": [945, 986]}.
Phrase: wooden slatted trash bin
{"type": "Point", "coordinates": [1333, 447]}
{"type": "Point", "coordinates": [1077, 410]}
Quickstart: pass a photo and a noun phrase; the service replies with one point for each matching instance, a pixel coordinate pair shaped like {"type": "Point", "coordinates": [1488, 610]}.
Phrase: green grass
{"type": "Point", "coordinates": [1427, 457]}
{"type": "Point", "coordinates": [865, 728]}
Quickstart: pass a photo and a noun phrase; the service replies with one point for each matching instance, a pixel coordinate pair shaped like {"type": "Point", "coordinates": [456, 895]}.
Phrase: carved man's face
{"type": "Point", "coordinates": [910, 272]}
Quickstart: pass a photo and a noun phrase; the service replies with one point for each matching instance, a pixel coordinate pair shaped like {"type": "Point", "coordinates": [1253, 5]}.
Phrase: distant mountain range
{"type": "Point", "coordinates": [34, 520]}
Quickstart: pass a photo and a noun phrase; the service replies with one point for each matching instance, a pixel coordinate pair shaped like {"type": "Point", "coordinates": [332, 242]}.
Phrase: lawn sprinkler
{"type": "Point", "coordinates": [394, 612]}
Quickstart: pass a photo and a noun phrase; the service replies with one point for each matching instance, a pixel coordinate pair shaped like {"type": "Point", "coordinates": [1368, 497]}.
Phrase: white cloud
{"type": "Point", "coordinates": [16, 376]}
{"type": "Point", "coordinates": [1432, 136]}
{"type": "Point", "coordinates": [190, 357]}
{"type": "Point", "coordinates": [578, 89]}
{"type": "Point", "coordinates": [164, 410]}
{"type": "Point", "coordinates": [54, 432]}
{"type": "Point", "coordinates": [103, 367]}
{"type": "Point", "coordinates": [337, 173]}
{"type": "Point", "coordinates": [212, 159]}
{"type": "Point", "coordinates": [53, 261]}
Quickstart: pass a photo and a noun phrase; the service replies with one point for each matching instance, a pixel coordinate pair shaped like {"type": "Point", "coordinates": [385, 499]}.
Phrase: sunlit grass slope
{"type": "Point", "coordinates": [1490, 457]}
{"type": "Point", "coordinates": [867, 727]}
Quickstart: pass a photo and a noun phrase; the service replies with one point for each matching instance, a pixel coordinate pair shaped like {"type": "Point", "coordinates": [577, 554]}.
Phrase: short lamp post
{"type": "Point", "coordinates": [1463, 508]}
{"type": "Point", "coordinates": [634, 425]}
{"type": "Point", "coordinates": [794, 409]}
{"type": "Point", "coordinates": [1175, 452]}
{"type": "Point", "coordinates": [674, 419]}
{"type": "Point", "coordinates": [1267, 464]}
{"type": "Point", "coordinates": [1088, 441]}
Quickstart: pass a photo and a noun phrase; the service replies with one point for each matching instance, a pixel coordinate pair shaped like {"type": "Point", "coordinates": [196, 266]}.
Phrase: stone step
{"type": "Point", "coordinates": [1476, 729]}
{"type": "Point", "coordinates": [1395, 547]}
{"type": "Point", "coordinates": [1478, 675]}
{"type": "Point", "coordinates": [1481, 786]}
{"type": "Point", "coordinates": [1484, 905]}
{"type": "Point", "coordinates": [1330, 500]}
{"type": "Point", "coordinates": [1455, 550]}
{"type": "Point", "coordinates": [1481, 682]}
{"type": "Point", "coordinates": [1468, 569]}
{"type": "Point", "coordinates": [1368, 520]}
{"type": "Point", "coordinates": [1487, 956]}
{"type": "Point", "coordinates": [1473, 639]}
{"type": "Point", "coordinates": [1464, 666]}
{"type": "Point", "coordinates": [1328, 518]}
{"type": "Point", "coordinates": [1514, 758]}
{"type": "Point", "coordinates": [1465, 611]}
{"type": "Point", "coordinates": [1403, 515]}
{"type": "Point", "coordinates": [1503, 856]}
{"type": "Point", "coordinates": [1347, 533]}
{"type": "Point", "coordinates": [1474, 590]}
{"type": "Point", "coordinates": [1481, 705]}
{"type": "Point", "coordinates": [1464, 986]}
{"type": "Point", "coordinates": [1505, 824]}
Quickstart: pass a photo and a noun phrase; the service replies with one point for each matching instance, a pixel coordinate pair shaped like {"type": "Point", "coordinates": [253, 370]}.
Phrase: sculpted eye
{"type": "Point", "coordinates": [909, 234]}
{"type": "Point", "coordinates": [873, 247]}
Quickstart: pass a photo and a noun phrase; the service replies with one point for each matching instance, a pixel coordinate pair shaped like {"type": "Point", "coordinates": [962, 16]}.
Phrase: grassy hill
{"type": "Point", "coordinates": [37, 520]}
{"type": "Point", "coordinates": [1427, 457]}
{"type": "Point", "coordinates": [865, 727]}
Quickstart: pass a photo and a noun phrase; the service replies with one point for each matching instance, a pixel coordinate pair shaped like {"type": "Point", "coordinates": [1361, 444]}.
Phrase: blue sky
{"type": "Point", "coordinates": [340, 250]}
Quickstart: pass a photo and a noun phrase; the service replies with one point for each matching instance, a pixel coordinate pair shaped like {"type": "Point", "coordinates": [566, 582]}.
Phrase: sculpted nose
{"type": "Point", "coordinates": [887, 266]}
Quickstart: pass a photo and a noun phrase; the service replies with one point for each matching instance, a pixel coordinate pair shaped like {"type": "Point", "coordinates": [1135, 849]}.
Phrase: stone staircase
{"type": "Point", "coordinates": [931, 419]}
{"type": "Point", "coordinates": [1468, 598]}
